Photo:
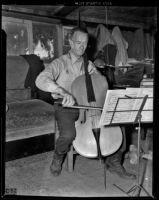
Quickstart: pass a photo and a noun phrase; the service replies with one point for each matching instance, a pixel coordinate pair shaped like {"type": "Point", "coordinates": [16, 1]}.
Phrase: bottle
{"type": "Point", "coordinates": [133, 154]}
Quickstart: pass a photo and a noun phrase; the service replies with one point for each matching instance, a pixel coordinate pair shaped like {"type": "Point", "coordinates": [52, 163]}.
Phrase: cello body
{"type": "Point", "coordinates": [110, 138]}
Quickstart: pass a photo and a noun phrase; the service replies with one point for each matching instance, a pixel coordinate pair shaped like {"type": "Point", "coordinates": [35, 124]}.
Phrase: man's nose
{"type": "Point", "coordinates": [83, 46]}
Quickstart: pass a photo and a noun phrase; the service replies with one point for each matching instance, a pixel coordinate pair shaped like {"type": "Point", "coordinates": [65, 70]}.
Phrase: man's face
{"type": "Point", "coordinates": [78, 43]}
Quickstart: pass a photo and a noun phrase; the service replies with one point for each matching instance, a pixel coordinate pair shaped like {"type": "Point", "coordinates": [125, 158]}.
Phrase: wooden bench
{"type": "Point", "coordinates": [29, 118]}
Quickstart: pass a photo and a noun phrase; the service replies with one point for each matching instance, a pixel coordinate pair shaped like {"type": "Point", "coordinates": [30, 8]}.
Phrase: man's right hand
{"type": "Point", "coordinates": [68, 99]}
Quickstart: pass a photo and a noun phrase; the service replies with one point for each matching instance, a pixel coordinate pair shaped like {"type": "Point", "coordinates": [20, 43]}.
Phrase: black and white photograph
{"type": "Point", "coordinates": [66, 33]}
{"type": "Point", "coordinates": [78, 116]}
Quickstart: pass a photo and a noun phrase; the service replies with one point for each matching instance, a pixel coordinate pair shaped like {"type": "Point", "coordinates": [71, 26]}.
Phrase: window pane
{"type": "Point", "coordinates": [17, 38]}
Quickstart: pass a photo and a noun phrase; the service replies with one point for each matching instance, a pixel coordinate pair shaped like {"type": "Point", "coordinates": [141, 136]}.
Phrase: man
{"type": "Point", "coordinates": [57, 79]}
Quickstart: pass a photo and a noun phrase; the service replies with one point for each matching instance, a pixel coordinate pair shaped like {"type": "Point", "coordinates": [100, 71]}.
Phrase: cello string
{"type": "Point", "coordinates": [95, 113]}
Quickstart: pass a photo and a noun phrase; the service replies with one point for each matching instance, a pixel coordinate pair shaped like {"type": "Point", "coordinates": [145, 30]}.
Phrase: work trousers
{"type": "Point", "coordinates": [65, 118]}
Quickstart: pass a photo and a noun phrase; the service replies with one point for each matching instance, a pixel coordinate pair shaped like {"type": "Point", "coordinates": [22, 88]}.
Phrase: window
{"type": "Point", "coordinates": [19, 39]}
{"type": "Point", "coordinates": [29, 37]}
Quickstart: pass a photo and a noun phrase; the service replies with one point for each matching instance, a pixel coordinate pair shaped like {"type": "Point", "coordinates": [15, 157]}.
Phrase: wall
{"type": "Point", "coordinates": [48, 38]}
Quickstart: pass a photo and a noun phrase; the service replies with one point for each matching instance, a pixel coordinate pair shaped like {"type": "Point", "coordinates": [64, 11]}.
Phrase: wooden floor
{"type": "Point", "coordinates": [31, 176]}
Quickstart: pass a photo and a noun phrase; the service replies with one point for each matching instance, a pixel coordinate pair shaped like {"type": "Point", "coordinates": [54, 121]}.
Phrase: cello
{"type": "Point", "coordinates": [92, 141]}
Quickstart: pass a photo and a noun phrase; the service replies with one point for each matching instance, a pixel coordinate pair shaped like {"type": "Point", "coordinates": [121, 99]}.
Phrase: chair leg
{"type": "Point", "coordinates": [70, 160]}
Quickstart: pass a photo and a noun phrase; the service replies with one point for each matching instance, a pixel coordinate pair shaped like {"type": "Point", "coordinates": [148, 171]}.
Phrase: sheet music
{"type": "Point", "coordinates": [125, 106]}
{"type": "Point", "coordinates": [147, 116]}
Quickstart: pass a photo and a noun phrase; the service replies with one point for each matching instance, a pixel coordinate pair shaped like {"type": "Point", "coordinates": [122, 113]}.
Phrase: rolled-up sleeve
{"type": "Point", "coordinates": [46, 80]}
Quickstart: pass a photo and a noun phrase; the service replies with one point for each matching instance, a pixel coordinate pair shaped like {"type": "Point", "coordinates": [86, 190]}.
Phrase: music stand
{"type": "Point", "coordinates": [137, 120]}
{"type": "Point", "coordinates": [99, 154]}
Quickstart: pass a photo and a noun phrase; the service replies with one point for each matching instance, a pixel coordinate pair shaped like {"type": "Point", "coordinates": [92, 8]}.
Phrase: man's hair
{"type": "Point", "coordinates": [83, 30]}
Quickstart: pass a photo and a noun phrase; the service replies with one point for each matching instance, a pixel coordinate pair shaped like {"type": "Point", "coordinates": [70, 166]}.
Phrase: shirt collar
{"type": "Point", "coordinates": [74, 58]}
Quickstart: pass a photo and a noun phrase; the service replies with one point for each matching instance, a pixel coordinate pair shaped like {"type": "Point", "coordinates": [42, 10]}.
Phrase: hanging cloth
{"type": "Point", "coordinates": [103, 37]}
{"type": "Point", "coordinates": [149, 48]}
{"type": "Point", "coordinates": [137, 50]}
{"type": "Point", "coordinates": [35, 67]}
{"type": "Point", "coordinates": [122, 46]}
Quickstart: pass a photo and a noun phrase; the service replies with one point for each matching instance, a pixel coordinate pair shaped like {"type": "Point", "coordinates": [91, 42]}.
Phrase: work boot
{"type": "Point", "coordinates": [56, 165]}
{"type": "Point", "coordinates": [113, 164]}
